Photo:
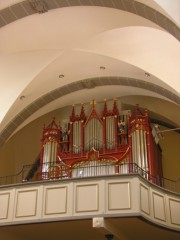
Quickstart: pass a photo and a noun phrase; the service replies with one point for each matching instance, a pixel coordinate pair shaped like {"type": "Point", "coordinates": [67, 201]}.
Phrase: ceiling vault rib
{"type": "Point", "coordinates": [29, 7]}
{"type": "Point", "coordinates": [76, 86]}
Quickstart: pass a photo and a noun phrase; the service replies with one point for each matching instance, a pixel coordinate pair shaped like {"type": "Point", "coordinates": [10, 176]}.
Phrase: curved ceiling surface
{"type": "Point", "coordinates": [83, 46]}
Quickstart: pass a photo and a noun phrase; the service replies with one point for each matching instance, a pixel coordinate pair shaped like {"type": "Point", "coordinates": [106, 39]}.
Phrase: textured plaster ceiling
{"type": "Point", "coordinates": [75, 38]}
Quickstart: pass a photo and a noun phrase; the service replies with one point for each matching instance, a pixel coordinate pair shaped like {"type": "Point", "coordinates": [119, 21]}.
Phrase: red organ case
{"type": "Point", "coordinates": [93, 144]}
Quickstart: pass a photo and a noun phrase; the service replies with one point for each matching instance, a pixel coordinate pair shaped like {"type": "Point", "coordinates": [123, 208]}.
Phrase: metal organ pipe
{"type": "Point", "coordinates": [100, 139]}
{"type": "Point", "coordinates": [109, 130]}
{"type": "Point", "coordinates": [48, 151]}
{"type": "Point", "coordinates": [145, 168]}
{"type": "Point", "coordinates": [94, 168]}
{"type": "Point", "coordinates": [52, 152]}
{"type": "Point", "coordinates": [86, 138]}
{"type": "Point", "coordinates": [139, 148]}
{"type": "Point", "coordinates": [134, 148]}
{"type": "Point", "coordinates": [79, 136]}
{"type": "Point", "coordinates": [113, 132]}
{"type": "Point", "coordinates": [44, 167]}
{"type": "Point", "coordinates": [145, 151]}
{"type": "Point", "coordinates": [143, 164]}
{"type": "Point", "coordinates": [107, 134]}
{"type": "Point", "coordinates": [76, 137]}
{"type": "Point", "coordinates": [49, 156]}
{"type": "Point", "coordinates": [55, 152]}
{"type": "Point", "coordinates": [110, 135]}
{"type": "Point", "coordinates": [73, 145]}
{"type": "Point", "coordinates": [90, 134]}
{"type": "Point", "coordinates": [93, 135]}
{"type": "Point", "coordinates": [109, 126]}
{"type": "Point", "coordinates": [96, 137]}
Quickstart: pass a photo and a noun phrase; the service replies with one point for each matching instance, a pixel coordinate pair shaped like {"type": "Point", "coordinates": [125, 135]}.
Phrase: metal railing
{"type": "Point", "coordinates": [30, 173]}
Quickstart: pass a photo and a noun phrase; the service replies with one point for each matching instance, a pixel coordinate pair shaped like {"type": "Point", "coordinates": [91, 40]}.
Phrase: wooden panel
{"type": "Point", "coordinates": [26, 204]}
{"type": "Point", "coordinates": [159, 207]}
{"type": "Point", "coordinates": [87, 198]}
{"type": "Point", "coordinates": [55, 200]}
{"type": "Point", "coordinates": [119, 196]}
{"type": "Point", "coordinates": [144, 199]}
{"type": "Point", "coordinates": [4, 205]}
{"type": "Point", "coordinates": [174, 206]}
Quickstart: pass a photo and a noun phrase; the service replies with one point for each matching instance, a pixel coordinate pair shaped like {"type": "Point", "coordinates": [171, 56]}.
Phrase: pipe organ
{"type": "Point", "coordinates": [93, 144]}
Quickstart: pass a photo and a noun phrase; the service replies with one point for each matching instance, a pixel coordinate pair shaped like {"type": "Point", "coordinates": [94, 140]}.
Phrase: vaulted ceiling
{"type": "Point", "coordinates": [55, 53]}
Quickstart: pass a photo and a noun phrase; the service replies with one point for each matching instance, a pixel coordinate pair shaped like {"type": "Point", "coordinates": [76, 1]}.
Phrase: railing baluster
{"type": "Point", "coordinates": [93, 169]}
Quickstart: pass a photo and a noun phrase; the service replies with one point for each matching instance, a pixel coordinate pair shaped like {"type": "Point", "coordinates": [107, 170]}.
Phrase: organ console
{"type": "Point", "coordinates": [94, 144]}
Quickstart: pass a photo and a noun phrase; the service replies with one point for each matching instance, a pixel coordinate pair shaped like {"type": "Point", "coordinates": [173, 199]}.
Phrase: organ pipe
{"type": "Point", "coordinates": [76, 137]}
{"type": "Point", "coordinates": [110, 132]}
{"type": "Point", "coordinates": [93, 135]}
{"type": "Point", "coordinates": [93, 168]}
{"type": "Point", "coordinates": [139, 149]}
